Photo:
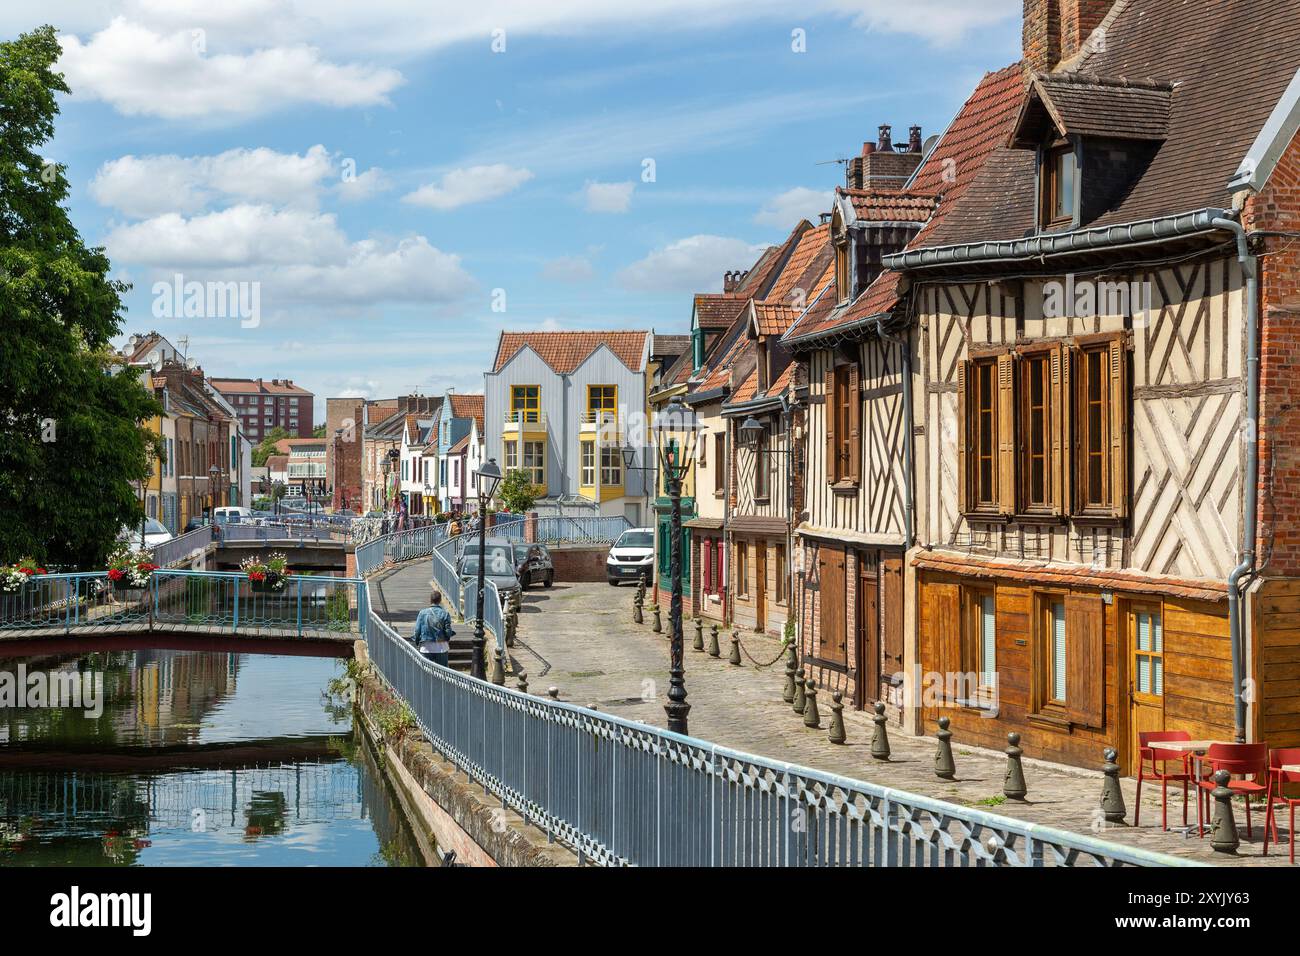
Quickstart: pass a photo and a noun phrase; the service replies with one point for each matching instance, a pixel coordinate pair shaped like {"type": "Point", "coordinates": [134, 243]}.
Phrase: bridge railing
{"type": "Point", "coordinates": [620, 792]}
{"type": "Point", "coordinates": [178, 600]}
{"type": "Point", "coordinates": [603, 529]}
{"type": "Point", "coordinates": [280, 533]}
{"type": "Point", "coordinates": [182, 547]}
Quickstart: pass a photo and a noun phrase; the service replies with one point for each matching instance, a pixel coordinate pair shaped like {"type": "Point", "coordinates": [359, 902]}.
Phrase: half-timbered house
{"type": "Point", "coordinates": [1100, 544]}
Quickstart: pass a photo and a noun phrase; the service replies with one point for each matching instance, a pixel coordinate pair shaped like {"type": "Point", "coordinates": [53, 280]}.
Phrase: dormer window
{"type": "Point", "coordinates": [1059, 186]}
{"type": "Point", "coordinates": [843, 284]}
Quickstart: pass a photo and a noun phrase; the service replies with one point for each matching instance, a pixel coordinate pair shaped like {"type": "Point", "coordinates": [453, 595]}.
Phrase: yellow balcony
{"type": "Point", "coordinates": [604, 425]}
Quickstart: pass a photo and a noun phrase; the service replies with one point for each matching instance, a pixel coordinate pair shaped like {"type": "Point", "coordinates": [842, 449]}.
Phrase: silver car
{"type": "Point", "coordinates": [499, 566]}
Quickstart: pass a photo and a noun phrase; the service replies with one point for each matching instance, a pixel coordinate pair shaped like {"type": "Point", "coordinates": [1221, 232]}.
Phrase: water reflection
{"type": "Point", "coordinates": [197, 758]}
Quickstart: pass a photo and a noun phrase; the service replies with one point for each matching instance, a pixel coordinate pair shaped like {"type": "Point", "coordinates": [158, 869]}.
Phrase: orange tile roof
{"type": "Point", "coordinates": [243, 386]}
{"type": "Point", "coordinates": [889, 205]}
{"type": "Point", "coordinates": [773, 318]}
{"type": "Point", "coordinates": [468, 406]}
{"type": "Point", "coordinates": [808, 245]}
{"type": "Point", "coordinates": [717, 310]}
{"type": "Point", "coordinates": [565, 351]}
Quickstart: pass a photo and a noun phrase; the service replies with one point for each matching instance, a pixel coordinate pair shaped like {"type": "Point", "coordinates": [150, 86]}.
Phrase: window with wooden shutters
{"type": "Point", "coordinates": [1100, 428]}
{"type": "Point", "coordinates": [986, 442]}
{"type": "Point", "coordinates": [844, 426]}
{"type": "Point", "coordinates": [979, 655]}
{"type": "Point", "coordinates": [762, 469]}
{"type": "Point", "coordinates": [719, 464]}
{"type": "Point", "coordinates": [945, 633]}
{"type": "Point", "coordinates": [1050, 656]}
{"type": "Point", "coordinates": [706, 566]}
{"type": "Point", "coordinates": [742, 569]}
{"type": "Point", "coordinates": [832, 642]}
{"type": "Point", "coordinates": [1042, 426]}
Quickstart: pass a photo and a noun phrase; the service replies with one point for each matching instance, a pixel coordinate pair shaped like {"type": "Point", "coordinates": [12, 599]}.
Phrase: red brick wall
{"type": "Point", "coordinates": [579, 564]}
{"type": "Point", "coordinates": [1277, 208]}
{"type": "Point", "coordinates": [1054, 30]}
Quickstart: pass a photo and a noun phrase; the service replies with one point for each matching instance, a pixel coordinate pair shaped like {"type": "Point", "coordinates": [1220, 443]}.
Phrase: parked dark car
{"type": "Point", "coordinates": [533, 564]}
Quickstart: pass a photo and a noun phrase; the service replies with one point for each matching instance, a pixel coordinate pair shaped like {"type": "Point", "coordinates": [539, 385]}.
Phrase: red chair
{"type": "Point", "coordinates": [1247, 761]}
{"type": "Point", "coordinates": [1277, 759]}
{"type": "Point", "coordinates": [1159, 770]}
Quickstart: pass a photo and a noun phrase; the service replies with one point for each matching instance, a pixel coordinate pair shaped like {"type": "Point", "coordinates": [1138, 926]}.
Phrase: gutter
{"type": "Point", "coordinates": [1246, 566]}
{"type": "Point", "coordinates": [1037, 248]}
{"type": "Point", "coordinates": [776, 403]}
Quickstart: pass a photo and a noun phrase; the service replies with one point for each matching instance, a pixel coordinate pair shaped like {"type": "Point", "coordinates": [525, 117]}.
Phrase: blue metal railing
{"type": "Point", "coordinates": [620, 792]}
{"type": "Point", "coordinates": [603, 529]}
{"type": "Point", "coordinates": [173, 599]}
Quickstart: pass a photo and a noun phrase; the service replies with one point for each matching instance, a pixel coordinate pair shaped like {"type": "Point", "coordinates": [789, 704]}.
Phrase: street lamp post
{"type": "Point", "coordinates": [486, 479]}
{"type": "Point", "coordinates": [629, 456]}
{"type": "Point", "coordinates": [675, 430]}
{"type": "Point", "coordinates": [213, 474]}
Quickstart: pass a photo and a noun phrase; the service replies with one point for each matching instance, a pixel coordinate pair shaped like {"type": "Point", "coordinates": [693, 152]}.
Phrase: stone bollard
{"type": "Point", "coordinates": [713, 641]}
{"type": "Point", "coordinates": [699, 634]}
{"type": "Point", "coordinates": [787, 695]}
{"type": "Point", "coordinates": [512, 625]}
{"type": "Point", "coordinates": [1112, 797]}
{"type": "Point", "coordinates": [799, 696]}
{"type": "Point", "coordinates": [880, 736]}
{"type": "Point", "coordinates": [523, 682]}
{"type": "Point", "coordinates": [735, 650]}
{"type": "Point", "coordinates": [637, 617]}
{"type": "Point", "coordinates": [1013, 785]}
{"type": "Point", "coordinates": [658, 626]}
{"type": "Point", "coordinates": [811, 718]}
{"type": "Point", "coordinates": [837, 734]}
{"type": "Point", "coordinates": [944, 768]}
{"type": "Point", "coordinates": [1223, 835]}
{"type": "Point", "coordinates": [553, 693]}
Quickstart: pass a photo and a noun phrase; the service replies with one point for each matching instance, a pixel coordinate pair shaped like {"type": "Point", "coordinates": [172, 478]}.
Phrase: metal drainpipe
{"type": "Point", "coordinates": [907, 430]}
{"type": "Point", "coordinates": [787, 412]}
{"type": "Point", "coordinates": [1250, 266]}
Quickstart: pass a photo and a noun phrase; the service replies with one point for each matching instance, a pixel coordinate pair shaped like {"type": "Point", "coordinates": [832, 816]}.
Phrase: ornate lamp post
{"type": "Point", "coordinates": [486, 480]}
{"type": "Point", "coordinates": [214, 473]}
{"type": "Point", "coordinates": [675, 431]}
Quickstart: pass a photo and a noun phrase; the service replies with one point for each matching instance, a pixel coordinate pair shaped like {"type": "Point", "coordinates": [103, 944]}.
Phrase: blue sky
{"type": "Point", "coordinates": [383, 176]}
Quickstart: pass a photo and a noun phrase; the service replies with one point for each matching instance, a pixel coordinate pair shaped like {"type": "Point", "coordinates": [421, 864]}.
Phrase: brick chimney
{"type": "Point", "coordinates": [1055, 30]}
{"type": "Point", "coordinates": [881, 166]}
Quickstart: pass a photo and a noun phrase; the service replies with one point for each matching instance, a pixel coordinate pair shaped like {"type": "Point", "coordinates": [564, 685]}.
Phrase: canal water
{"type": "Point", "coordinates": [189, 758]}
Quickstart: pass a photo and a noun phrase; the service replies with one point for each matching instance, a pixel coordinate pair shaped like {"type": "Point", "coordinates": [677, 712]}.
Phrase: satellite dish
{"type": "Point", "coordinates": [191, 363]}
{"type": "Point", "coordinates": [155, 360]}
{"type": "Point", "coordinates": [929, 143]}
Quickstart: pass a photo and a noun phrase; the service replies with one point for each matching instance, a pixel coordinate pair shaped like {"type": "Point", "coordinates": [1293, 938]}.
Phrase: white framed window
{"type": "Point", "coordinates": [512, 456]}
{"type": "Point", "coordinates": [611, 465]}
{"type": "Point", "coordinates": [588, 477]}
{"type": "Point", "coordinates": [535, 461]}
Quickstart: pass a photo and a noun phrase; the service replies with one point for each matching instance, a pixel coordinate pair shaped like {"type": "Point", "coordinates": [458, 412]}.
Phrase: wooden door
{"type": "Point", "coordinates": [867, 631]}
{"type": "Point", "coordinates": [1146, 691]}
{"type": "Point", "coordinates": [760, 586]}
{"type": "Point", "coordinates": [891, 618]}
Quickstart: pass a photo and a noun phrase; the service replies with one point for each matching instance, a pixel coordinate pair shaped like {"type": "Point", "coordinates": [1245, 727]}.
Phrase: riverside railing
{"type": "Point", "coordinates": [288, 534]}
{"type": "Point", "coordinates": [176, 600]}
{"type": "Point", "coordinates": [624, 793]}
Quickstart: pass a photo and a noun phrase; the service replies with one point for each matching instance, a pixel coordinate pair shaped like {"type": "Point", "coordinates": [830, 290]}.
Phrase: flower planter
{"type": "Point", "coordinates": [268, 585]}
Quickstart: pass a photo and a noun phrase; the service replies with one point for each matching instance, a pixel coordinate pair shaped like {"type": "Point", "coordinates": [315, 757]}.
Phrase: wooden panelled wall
{"type": "Point", "coordinates": [1197, 660]}
{"type": "Point", "coordinates": [1277, 662]}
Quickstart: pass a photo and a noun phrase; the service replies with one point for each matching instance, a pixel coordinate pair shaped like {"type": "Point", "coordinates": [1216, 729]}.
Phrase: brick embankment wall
{"type": "Point", "coordinates": [579, 563]}
{"type": "Point", "coordinates": [444, 811]}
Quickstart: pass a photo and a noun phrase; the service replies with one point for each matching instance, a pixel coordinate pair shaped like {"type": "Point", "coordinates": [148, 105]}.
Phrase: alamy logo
{"type": "Point", "coordinates": [78, 690]}
{"type": "Point", "coordinates": [179, 299]}
{"type": "Point", "coordinates": [1087, 299]}
{"type": "Point", "coordinates": [74, 908]}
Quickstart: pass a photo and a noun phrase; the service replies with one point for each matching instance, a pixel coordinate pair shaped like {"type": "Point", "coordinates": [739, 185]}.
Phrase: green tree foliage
{"type": "Point", "coordinates": [73, 444]}
{"type": "Point", "coordinates": [267, 448]}
{"type": "Point", "coordinates": [318, 431]}
{"type": "Point", "coordinates": [517, 492]}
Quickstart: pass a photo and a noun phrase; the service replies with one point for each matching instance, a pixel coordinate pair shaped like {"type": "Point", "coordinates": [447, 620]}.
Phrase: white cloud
{"type": "Point", "coordinates": [787, 208]}
{"type": "Point", "coordinates": [460, 187]}
{"type": "Point", "coordinates": [176, 76]}
{"type": "Point", "coordinates": [569, 269]}
{"type": "Point", "coordinates": [141, 186]}
{"type": "Point", "coordinates": [297, 255]}
{"type": "Point", "coordinates": [608, 197]}
{"type": "Point", "coordinates": [364, 185]}
{"type": "Point", "coordinates": [693, 264]}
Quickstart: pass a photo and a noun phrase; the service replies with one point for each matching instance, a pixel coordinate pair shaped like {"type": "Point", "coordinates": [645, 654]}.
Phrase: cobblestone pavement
{"type": "Point", "coordinates": [581, 639]}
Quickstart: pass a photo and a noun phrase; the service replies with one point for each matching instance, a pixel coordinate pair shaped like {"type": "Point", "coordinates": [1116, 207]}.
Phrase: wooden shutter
{"type": "Point", "coordinates": [830, 570]}
{"type": "Point", "coordinates": [831, 406]}
{"type": "Point", "coordinates": [855, 424]}
{"type": "Point", "coordinates": [1061, 418]}
{"type": "Point", "coordinates": [1117, 401]}
{"type": "Point", "coordinates": [945, 624]}
{"type": "Point", "coordinates": [1006, 425]}
{"type": "Point", "coordinates": [1085, 659]}
{"type": "Point", "coordinates": [706, 569]}
{"type": "Point", "coordinates": [892, 614]}
{"type": "Point", "coordinates": [963, 430]}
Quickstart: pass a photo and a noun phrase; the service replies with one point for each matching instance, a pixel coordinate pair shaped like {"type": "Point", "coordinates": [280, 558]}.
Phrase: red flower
{"type": "Point", "coordinates": [115, 574]}
{"type": "Point", "coordinates": [30, 571]}
{"type": "Point", "coordinates": [41, 571]}
{"type": "Point", "coordinates": [256, 576]}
